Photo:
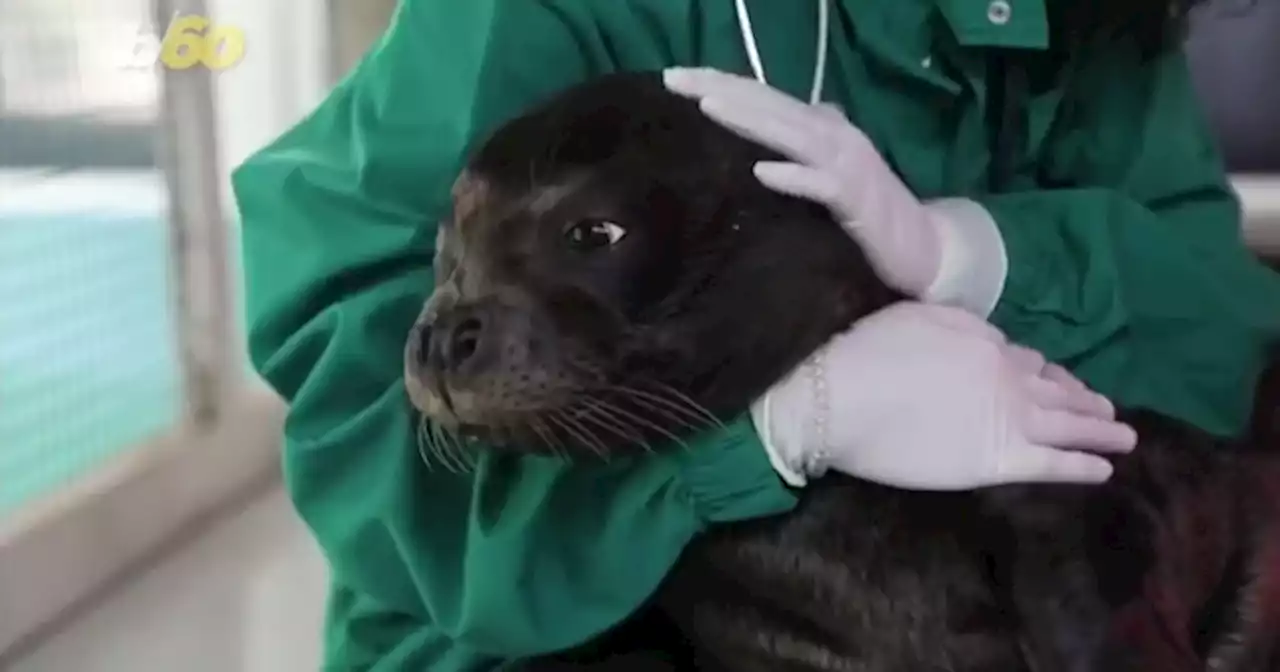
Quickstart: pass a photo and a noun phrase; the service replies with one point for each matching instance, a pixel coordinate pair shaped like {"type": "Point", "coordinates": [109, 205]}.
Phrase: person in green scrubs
{"type": "Point", "coordinates": [1117, 238]}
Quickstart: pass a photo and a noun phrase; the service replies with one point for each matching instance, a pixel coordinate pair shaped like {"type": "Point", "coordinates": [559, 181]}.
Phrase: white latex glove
{"type": "Point", "coordinates": [928, 397]}
{"type": "Point", "coordinates": [947, 251]}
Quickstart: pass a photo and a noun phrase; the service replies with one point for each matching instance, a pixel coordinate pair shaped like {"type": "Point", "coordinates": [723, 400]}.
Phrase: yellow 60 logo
{"type": "Point", "coordinates": [194, 40]}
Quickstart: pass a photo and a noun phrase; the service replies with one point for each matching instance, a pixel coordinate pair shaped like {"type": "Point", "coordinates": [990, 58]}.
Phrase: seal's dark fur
{"type": "Point", "coordinates": [717, 290]}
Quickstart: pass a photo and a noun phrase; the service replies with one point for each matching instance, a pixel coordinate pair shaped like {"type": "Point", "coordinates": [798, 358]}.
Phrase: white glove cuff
{"type": "Point", "coordinates": [794, 433]}
{"type": "Point", "coordinates": [974, 263]}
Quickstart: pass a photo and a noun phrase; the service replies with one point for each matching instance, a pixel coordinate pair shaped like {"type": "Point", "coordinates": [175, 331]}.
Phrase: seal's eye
{"type": "Point", "coordinates": [593, 234]}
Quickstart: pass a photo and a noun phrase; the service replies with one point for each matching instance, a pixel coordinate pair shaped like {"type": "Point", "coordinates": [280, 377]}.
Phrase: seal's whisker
{"type": "Point", "coordinates": [425, 443]}
{"type": "Point", "coordinates": [559, 448]}
{"type": "Point", "coordinates": [451, 449]}
{"type": "Point", "coordinates": [465, 458]}
{"type": "Point", "coordinates": [438, 447]}
{"type": "Point", "coordinates": [597, 445]}
{"type": "Point", "coordinates": [671, 398]}
{"type": "Point", "coordinates": [687, 419]}
{"type": "Point", "coordinates": [681, 401]}
{"type": "Point", "coordinates": [643, 404]}
{"type": "Point", "coordinates": [547, 436]}
{"type": "Point", "coordinates": [582, 421]}
{"type": "Point", "coordinates": [586, 437]}
{"type": "Point", "coordinates": [640, 420]}
{"type": "Point", "coordinates": [430, 432]}
{"type": "Point", "coordinates": [610, 422]}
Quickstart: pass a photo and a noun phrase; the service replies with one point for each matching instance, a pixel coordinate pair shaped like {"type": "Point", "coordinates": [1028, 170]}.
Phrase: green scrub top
{"type": "Point", "coordinates": [1124, 243]}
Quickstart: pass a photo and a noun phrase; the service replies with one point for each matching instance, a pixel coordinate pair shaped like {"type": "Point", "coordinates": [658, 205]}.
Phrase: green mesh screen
{"type": "Point", "coordinates": [88, 365]}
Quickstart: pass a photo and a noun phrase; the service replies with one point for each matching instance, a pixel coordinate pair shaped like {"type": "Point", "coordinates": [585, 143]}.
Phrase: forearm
{"type": "Point", "coordinates": [362, 634]}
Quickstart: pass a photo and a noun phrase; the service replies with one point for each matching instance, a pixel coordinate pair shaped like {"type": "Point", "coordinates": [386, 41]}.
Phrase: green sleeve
{"type": "Point", "coordinates": [1133, 268]}
{"type": "Point", "coordinates": [433, 569]}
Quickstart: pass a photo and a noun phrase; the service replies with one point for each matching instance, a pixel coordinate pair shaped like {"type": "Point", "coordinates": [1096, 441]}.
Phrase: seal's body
{"type": "Point", "coordinates": [613, 278]}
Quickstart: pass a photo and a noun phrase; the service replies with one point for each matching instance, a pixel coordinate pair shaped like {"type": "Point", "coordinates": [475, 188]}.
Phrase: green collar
{"type": "Point", "coordinates": [998, 23]}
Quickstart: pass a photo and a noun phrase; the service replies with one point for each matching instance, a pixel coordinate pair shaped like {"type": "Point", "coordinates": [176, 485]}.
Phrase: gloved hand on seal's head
{"type": "Point", "coordinates": [917, 396]}
{"type": "Point", "coordinates": [929, 397]}
{"type": "Point", "coordinates": [947, 251]}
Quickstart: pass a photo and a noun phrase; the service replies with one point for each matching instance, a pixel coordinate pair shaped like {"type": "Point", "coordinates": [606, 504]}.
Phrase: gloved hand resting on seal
{"type": "Point", "coordinates": [928, 397]}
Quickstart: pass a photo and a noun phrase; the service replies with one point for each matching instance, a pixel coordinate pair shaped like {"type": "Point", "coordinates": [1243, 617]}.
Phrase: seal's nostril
{"type": "Point", "coordinates": [465, 341]}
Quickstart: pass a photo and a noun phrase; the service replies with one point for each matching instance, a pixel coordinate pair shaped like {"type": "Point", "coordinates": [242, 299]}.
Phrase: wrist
{"type": "Point", "coordinates": [973, 262]}
{"type": "Point", "coordinates": [780, 446]}
{"type": "Point", "coordinates": [792, 421]}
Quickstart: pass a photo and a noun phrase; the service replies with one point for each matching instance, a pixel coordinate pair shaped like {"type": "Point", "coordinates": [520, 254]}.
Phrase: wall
{"type": "Point", "coordinates": [1235, 58]}
{"type": "Point", "coordinates": [356, 25]}
{"type": "Point", "coordinates": [283, 75]}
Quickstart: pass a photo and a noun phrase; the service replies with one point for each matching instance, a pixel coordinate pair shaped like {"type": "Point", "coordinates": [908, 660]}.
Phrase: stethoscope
{"type": "Point", "coordinates": [820, 64]}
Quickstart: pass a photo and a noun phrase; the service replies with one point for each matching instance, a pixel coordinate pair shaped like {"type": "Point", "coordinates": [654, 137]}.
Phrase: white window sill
{"type": "Point", "coordinates": [1260, 197]}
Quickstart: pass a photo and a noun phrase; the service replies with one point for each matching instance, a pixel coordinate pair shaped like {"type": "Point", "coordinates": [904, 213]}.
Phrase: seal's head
{"type": "Point", "coordinates": [612, 272]}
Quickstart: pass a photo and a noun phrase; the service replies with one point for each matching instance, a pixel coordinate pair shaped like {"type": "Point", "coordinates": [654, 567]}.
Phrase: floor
{"type": "Point", "coordinates": [247, 596]}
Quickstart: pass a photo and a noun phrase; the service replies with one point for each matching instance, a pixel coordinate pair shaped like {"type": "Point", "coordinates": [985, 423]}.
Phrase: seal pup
{"type": "Point", "coordinates": [613, 279]}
